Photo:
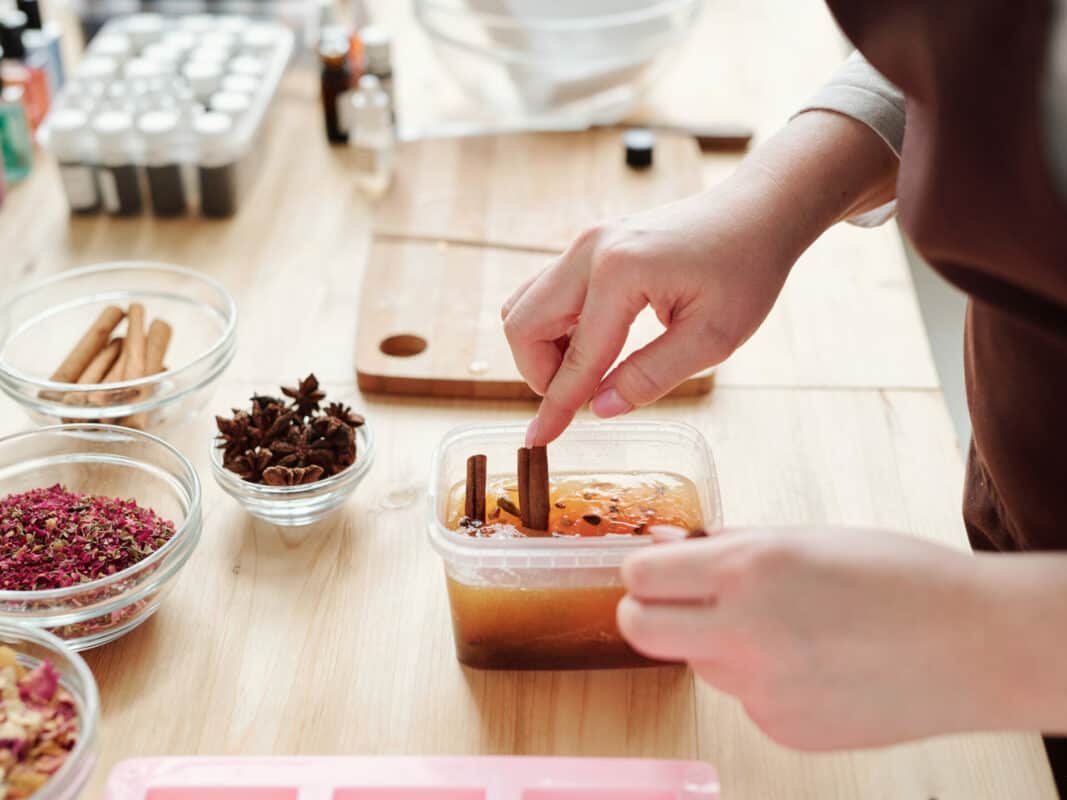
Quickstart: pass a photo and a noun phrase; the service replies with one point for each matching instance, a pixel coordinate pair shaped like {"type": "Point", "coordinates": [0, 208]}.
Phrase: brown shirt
{"type": "Point", "coordinates": [976, 197]}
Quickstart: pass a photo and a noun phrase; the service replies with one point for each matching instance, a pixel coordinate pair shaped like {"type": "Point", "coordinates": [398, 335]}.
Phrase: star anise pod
{"type": "Point", "coordinates": [345, 414]}
{"type": "Point", "coordinates": [234, 434]}
{"type": "Point", "coordinates": [306, 395]}
{"type": "Point", "coordinates": [292, 476]}
{"type": "Point", "coordinates": [249, 466]}
{"type": "Point", "coordinates": [300, 449]}
{"type": "Point", "coordinates": [339, 437]}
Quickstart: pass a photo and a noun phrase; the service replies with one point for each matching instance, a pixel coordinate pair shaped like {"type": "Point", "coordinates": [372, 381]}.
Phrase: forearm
{"type": "Point", "coordinates": [821, 168]}
{"type": "Point", "coordinates": [1025, 605]}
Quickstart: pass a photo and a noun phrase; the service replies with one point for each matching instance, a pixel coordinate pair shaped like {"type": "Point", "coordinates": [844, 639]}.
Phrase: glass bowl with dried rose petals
{"type": "Point", "coordinates": [292, 459]}
{"type": "Point", "coordinates": [49, 709]}
{"type": "Point", "coordinates": [96, 522]}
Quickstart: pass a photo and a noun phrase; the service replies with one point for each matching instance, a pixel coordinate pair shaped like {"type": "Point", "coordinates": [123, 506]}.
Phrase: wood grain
{"type": "Point", "coordinates": [528, 190]}
{"type": "Point", "coordinates": [465, 352]}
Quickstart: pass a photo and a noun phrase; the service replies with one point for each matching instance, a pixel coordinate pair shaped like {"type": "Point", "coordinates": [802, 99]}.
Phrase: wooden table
{"type": "Point", "coordinates": [337, 639]}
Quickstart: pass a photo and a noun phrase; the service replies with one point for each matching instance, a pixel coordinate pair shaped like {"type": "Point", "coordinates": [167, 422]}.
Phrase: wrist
{"type": "Point", "coordinates": [820, 169]}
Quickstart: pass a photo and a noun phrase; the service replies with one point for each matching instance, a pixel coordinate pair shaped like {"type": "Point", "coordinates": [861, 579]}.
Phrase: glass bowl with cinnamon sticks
{"type": "Point", "coordinates": [137, 344]}
{"type": "Point", "coordinates": [532, 539]}
{"type": "Point", "coordinates": [96, 524]}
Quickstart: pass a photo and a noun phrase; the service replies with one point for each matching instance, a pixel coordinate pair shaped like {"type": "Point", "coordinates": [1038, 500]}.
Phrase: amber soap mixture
{"type": "Point", "coordinates": [568, 620]}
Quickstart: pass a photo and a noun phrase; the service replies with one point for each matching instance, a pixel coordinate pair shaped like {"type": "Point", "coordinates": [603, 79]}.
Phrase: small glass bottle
{"type": "Point", "coordinates": [378, 60]}
{"type": "Point", "coordinates": [68, 129]}
{"type": "Point", "coordinates": [336, 85]}
{"type": "Point", "coordinates": [16, 142]}
{"type": "Point", "coordinates": [159, 131]}
{"type": "Point", "coordinates": [44, 38]}
{"type": "Point", "coordinates": [217, 164]}
{"type": "Point", "coordinates": [16, 70]}
{"type": "Point", "coordinates": [120, 187]}
{"type": "Point", "coordinates": [372, 136]}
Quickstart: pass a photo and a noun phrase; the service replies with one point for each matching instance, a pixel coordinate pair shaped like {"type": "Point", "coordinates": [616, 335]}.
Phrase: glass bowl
{"type": "Point", "coordinates": [40, 325]}
{"type": "Point", "coordinates": [549, 602]}
{"type": "Point", "coordinates": [291, 506]}
{"type": "Point", "coordinates": [117, 462]}
{"type": "Point", "coordinates": [556, 59]}
{"type": "Point", "coordinates": [34, 646]}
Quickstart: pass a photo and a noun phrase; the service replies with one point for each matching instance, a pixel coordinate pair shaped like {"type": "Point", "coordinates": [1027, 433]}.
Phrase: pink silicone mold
{"type": "Point", "coordinates": [411, 778]}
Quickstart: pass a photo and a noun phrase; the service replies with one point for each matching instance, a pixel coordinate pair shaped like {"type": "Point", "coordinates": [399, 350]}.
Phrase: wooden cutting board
{"type": "Point", "coordinates": [429, 322]}
{"type": "Point", "coordinates": [464, 223]}
{"type": "Point", "coordinates": [535, 190]}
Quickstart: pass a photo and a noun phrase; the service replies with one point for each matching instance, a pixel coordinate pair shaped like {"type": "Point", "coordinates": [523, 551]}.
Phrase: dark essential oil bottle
{"type": "Point", "coordinates": [217, 164]}
{"type": "Point", "coordinates": [336, 83]}
{"type": "Point", "coordinates": [120, 186]}
{"type": "Point", "coordinates": [166, 189]}
{"type": "Point", "coordinates": [68, 129]}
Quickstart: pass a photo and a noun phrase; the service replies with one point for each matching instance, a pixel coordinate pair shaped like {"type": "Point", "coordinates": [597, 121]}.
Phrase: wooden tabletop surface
{"type": "Point", "coordinates": [336, 639]}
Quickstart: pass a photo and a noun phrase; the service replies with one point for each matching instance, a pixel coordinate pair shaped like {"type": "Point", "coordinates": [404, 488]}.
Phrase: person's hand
{"type": "Point", "coordinates": [710, 266]}
{"type": "Point", "coordinates": [829, 637]}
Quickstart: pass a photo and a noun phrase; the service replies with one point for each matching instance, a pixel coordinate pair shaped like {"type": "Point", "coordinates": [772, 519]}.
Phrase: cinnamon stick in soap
{"type": "Point", "coordinates": [524, 485]}
{"type": "Point", "coordinates": [91, 343]}
{"type": "Point", "coordinates": [538, 488]}
{"type": "Point", "coordinates": [533, 487]}
{"type": "Point", "coordinates": [476, 477]}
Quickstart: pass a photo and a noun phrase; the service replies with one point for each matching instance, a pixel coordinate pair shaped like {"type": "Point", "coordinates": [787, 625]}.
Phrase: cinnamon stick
{"type": "Point", "coordinates": [538, 488]}
{"type": "Point", "coordinates": [156, 344]}
{"type": "Point", "coordinates": [91, 343]}
{"type": "Point", "coordinates": [159, 333]}
{"type": "Point", "coordinates": [135, 343]}
{"type": "Point", "coordinates": [106, 397]}
{"type": "Point", "coordinates": [100, 366]}
{"type": "Point", "coordinates": [524, 486]}
{"type": "Point", "coordinates": [533, 487]}
{"type": "Point", "coordinates": [476, 477]}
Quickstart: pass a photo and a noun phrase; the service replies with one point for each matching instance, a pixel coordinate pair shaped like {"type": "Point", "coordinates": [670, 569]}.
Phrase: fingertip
{"type": "Point", "coordinates": [609, 403]}
{"type": "Point", "coordinates": [626, 615]}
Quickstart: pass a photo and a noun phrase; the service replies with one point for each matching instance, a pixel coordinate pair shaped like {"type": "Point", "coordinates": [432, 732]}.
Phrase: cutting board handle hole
{"type": "Point", "coordinates": [403, 345]}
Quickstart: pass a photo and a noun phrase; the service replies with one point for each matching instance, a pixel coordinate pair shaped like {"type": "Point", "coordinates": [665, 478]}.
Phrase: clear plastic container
{"type": "Point", "coordinates": [546, 578]}
{"type": "Point", "coordinates": [114, 462]}
{"type": "Point", "coordinates": [34, 646]}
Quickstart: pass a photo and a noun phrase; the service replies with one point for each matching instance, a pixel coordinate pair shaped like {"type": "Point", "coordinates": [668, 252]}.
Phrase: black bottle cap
{"type": "Point", "coordinates": [639, 143]}
{"type": "Point", "coordinates": [32, 10]}
{"type": "Point", "coordinates": [12, 24]}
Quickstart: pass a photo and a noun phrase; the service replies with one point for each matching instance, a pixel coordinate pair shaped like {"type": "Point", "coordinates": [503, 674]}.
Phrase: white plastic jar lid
{"type": "Point", "coordinates": [143, 69]}
{"type": "Point", "coordinates": [112, 129]}
{"type": "Point", "coordinates": [248, 65]}
{"type": "Point", "coordinates": [240, 83]}
{"type": "Point", "coordinates": [96, 68]}
{"type": "Point", "coordinates": [112, 45]}
{"type": "Point", "coordinates": [232, 103]}
{"type": "Point", "coordinates": [65, 129]}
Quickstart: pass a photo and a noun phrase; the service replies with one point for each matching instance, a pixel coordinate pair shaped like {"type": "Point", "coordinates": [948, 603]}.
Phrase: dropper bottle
{"type": "Point", "coordinates": [372, 136]}
{"type": "Point", "coordinates": [16, 143]}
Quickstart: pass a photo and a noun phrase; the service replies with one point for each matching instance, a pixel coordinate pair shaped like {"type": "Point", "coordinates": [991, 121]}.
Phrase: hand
{"type": "Point", "coordinates": [829, 637]}
{"type": "Point", "coordinates": [710, 267]}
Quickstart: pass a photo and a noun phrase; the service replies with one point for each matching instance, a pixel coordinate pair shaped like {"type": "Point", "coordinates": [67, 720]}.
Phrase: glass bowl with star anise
{"type": "Point", "coordinates": [292, 459]}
